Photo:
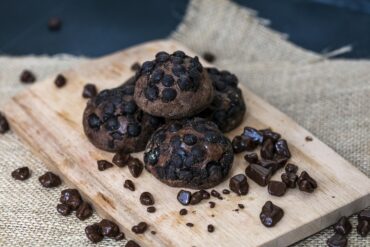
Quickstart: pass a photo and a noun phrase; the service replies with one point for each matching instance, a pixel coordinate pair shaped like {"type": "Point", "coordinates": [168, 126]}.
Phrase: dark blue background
{"type": "Point", "coordinates": [96, 27]}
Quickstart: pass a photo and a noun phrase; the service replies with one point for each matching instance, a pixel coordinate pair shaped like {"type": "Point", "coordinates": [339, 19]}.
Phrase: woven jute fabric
{"type": "Point", "coordinates": [330, 98]}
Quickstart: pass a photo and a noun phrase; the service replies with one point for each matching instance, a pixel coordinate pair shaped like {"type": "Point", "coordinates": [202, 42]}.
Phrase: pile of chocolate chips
{"type": "Point", "coordinates": [134, 165]}
{"type": "Point", "coordinates": [105, 228]}
{"type": "Point", "coordinates": [71, 200]}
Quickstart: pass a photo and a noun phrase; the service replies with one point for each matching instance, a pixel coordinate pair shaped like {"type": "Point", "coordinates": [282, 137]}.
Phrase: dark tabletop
{"type": "Point", "coordinates": [95, 27]}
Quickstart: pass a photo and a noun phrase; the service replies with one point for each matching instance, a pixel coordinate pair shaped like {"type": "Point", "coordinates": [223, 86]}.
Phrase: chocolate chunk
{"type": "Point", "coordinates": [104, 165]}
{"type": "Point", "coordinates": [190, 139]}
{"type": "Point", "coordinates": [337, 240]}
{"type": "Point", "coordinates": [22, 173]}
{"type": "Point", "coordinates": [241, 206]}
{"type": "Point", "coordinates": [60, 81]}
{"type": "Point", "coordinates": [363, 228]}
{"type": "Point", "coordinates": [308, 139]}
{"type": "Point", "coordinates": [133, 129]}
{"type": "Point", "coordinates": [140, 228]}
{"type": "Point", "coordinates": [251, 158]}
{"type": "Point", "coordinates": [109, 228]}
{"type": "Point", "coordinates": [132, 243]}
{"type": "Point", "coordinates": [205, 194]}
{"type": "Point", "coordinates": [64, 209]}
{"type": "Point", "coordinates": [168, 80]}
{"type": "Point", "coordinates": [273, 165]}
{"type": "Point", "coordinates": [153, 232]}
{"type": "Point", "coordinates": [129, 185]}
{"type": "Point", "coordinates": [269, 134]}
{"type": "Point", "coordinates": [212, 204]}
{"type": "Point", "coordinates": [54, 24]}
{"type": "Point", "coordinates": [151, 93]}
{"type": "Point", "coordinates": [120, 236]}
{"type": "Point", "coordinates": [93, 232]}
{"type": "Point", "coordinates": [121, 159]}
{"type": "Point", "coordinates": [271, 214]}
{"type": "Point", "coordinates": [210, 228]}
{"type": "Point", "coordinates": [189, 224]}
{"type": "Point", "coordinates": [50, 180]}
{"type": "Point", "coordinates": [254, 135]}
{"type": "Point", "coordinates": [89, 91]}
{"type": "Point", "coordinates": [135, 167]}
{"type": "Point", "coordinates": [239, 184]}
{"type": "Point", "coordinates": [267, 149]}
{"type": "Point", "coordinates": [258, 174]}
{"type": "Point", "coordinates": [290, 179]}
{"type": "Point", "coordinates": [71, 197]}
{"type": "Point", "coordinates": [209, 57]}
{"type": "Point", "coordinates": [84, 211]}
{"type": "Point", "coordinates": [281, 147]}
{"type": "Point", "coordinates": [364, 215]}
{"type": "Point", "coordinates": [242, 143]}
{"type": "Point", "coordinates": [183, 211]}
{"type": "Point", "coordinates": [291, 168]}
{"type": "Point", "coordinates": [168, 94]}
{"type": "Point", "coordinates": [276, 188]}
{"type": "Point", "coordinates": [306, 183]}
{"type": "Point", "coordinates": [147, 199]}
{"type": "Point", "coordinates": [196, 198]}
{"type": "Point", "coordinates": [27, 77]}
{"type": "Point", "coordinates": [343, 226]}
{"type": "Point", "coordinates": [147, 67]}
{"type": "Point", "coordinates": [151, 209]}
{"type": "Point", "coordinates": [184, 197]}
{"type": "Point", "coordinates": [225, 191]}
{"type": "Point", "coordinates": [4, 125]}
{"type": "Point", "coordinates": [216, 194]}
{"type": "Point", "coordinates": [135, 66]}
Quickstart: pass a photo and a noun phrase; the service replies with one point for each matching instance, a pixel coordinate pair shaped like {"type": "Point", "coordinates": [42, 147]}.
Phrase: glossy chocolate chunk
{"type": "Point", "coordinates": [343, 226]}
{"type": "Point", "coordinates": [121, 159]}
{"type": "Point", "coordinates": [104, 165]}
{"type": "Point", "coordinates": [84, 211]}
{"type": "Point", "coordinates": [291, 168]}
{"type": "Point", "coordinates": [50, 180]}
{"type": "Point", "coordinates": [89, 91]}
{"type": "Point", "coordinates": [216, 194]}
{"type": "Point", "coordinates": [27, 77]}
{"type": "Point", "coordinates": [196, 198]}
{"type": "Point", "coordinates": [258, 174]}
{"type": "Point", "coordinates": [276, 188]}
{"type": "Point", "coordinates": [206, 195]}
{"type": "Point", "coordinates": [120, 236]}
{"type": "Point", "coordinates": [71, 197]}
{"type": "Point", "coordinates": [151, 209]}
{"type": "Point", "coordinates": [242, 143]}
{"type": "Point", "coordinates": [212, 204]}
{"type": "Point", "coordinates": [210, 228]}
{"type": "Point", "coordinates": [60, 81]}
{"type": "Point", "coordinates": [290, 179]}
{"type": "Point", "coordinates": [337, 240]}
{"type": "Point", "coordinates": [251, 158]}
{"type": "Point", "coordinates": [271, 214]}
{"type": "Point", "coordinates": [93, 232]}
{"type": "Point", "coordinates": [129, 185]}
{"type": "Point", "coordinates": [4, 125]}
{"type": "Point", "coordinates": [184, 197]}
{"type": "Point", "coordinates": [254, 135]}
{"type": "Point", "coordinates": [239, 184]}
{"type": "Point", "coordinates": [140, 228]}
{"type": "Point", "coordinates": [135, 167]}
{"type": "Point", "coordinates": [267, 149]}
{"type": "Point", "coordinates": [363, 228]}
{"type": "Point", "coordinates": [269, 134]}
{"type": "Point", "coordinates": [183, 211]}
{"type": "Point", "coordinates": [364, 215]}
{"type": "Point", "coordinates": [21, 174]}
{"type": "Point", "coordinates": [64, 209]}
{"type": "Point", "coordinates": [281, 147]}
{"type": "Point", "coordinates": [109, 228]}
{"type": "Point", "coordinates": [147, 199]}
{"type": "Point", "coordinates": [306, 183]}
{"type": "Point", "coordinates": [132, 243]}
{"type": "Point", "coordinates": [273, 165]}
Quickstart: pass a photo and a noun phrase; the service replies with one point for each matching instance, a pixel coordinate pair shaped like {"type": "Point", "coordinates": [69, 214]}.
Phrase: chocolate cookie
{"type": "Point", "coordinates": [190, 153]}
{"type": "Point", "coordinates": [173, 86]}
{"type": "Point", "coordinates": [227, 108]}
{"type": "Point", "coordinates": [113, 122]}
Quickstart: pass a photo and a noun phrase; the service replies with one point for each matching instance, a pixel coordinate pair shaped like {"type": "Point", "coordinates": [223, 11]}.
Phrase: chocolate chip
{"type": "Point", "coordinates": [135, 167]}
{"type": "Point", "coordinates": [121, 159]}
{"type": "Point", "coordinates": [337, 240]}
{"type": "Point", "coordinates": [216, 194]}
{"type": "Point", "coordinates": [241, 206]}
{"type": "Point", "coordinates": [147, 67]}
{"type": "Point", "coordinates": [133, 129]}
{"type": "Point", "coordinates": [162, 56]}
{"type": "Point", "coordinates": [253, 134]}
{"type": "Point", "coordinates": [168, 80]}
{"type": "Point", "coordinates": [151, 93]}
{"type": "Point", "coordinates": [64, 209]}
{"type": "Point", "coordinates": [184, 83]}
{"type": "Point", "coordinates": [94, 121]}
{"type": "Point", "coordinates": [54, 24]}
{"type": "Point", "coordinates": [135, 66]}
{"type": "Point", "coordinates": [225, 191]}
{"type": "Point", "coordinates": [210, 228]}
{"type": "Point", "coordinates": [251, 158]}
{"type": "Point", "coordinates": [308, 139]}
{"type": "Point", "coordinates": [179, 54]}
{"type": "Point", "coordinates": [22, 173]}
{"type": "Point", "coordinates": [27, 77]}
{"type": "Point", "coordinates": [271, 214]}
{"type": "Point", "coordinates": [151, 209]}
{"type": "Point", "coordinates": [267, 149]}
{"type": "Point", "coordinates": [183, 211]}
{"type": "Point", "coordinates": [109, 228]}
{"type": "Point", "coordinates": [242, 143]}
{"type": "Point", "coordinates": [239, 184]}
{"type": "Point", "coordinates": [291, 168]}
{"type": "Point", "coordinates": [93, 232]}
{"type": "Point", "coordinates": [190, 139]}
{"type": "Point", "coordinates": [205, 194]}
{"type": "Point", "coordinates": [147, 199]}
{"type": "Point", "coordinates": [132, 243]}
{"type": "Point", "coordinates": [4, 125]}
{"type": "Point", "coordinates": [168, 94]}
{"type": "Point", "coordinates": [364, 215]}
{"type": "Point", "coordinates": [306, 183]}
{"type": "Point", "coordinates": [71, 197]}
{"type": "Point", "coordinates": [120, 236]}
{"type": "Point", "coordinates": [281, 147]}
{"type": "Point", "coordinates": [258, 174]}
{"type": "Point", "coordinates": [196, 198]}
{"type": "Point", "coordinates": [184, 197]}
{"type": "Point", "coordinates": [129, 185]}
{"type": "Point", "coordinates": [212, 204]}
{"type": "Point", "coordinates": [84, 211]}
{"type": "Point", "coordinates": [269, 134]}
{"type": "Point", "coordinates": [140, 228]}
{"type": "Point", "coordinates": [50, 180]}
{"type": "Point", "coordinates": [363, 228]}
{"type": "Point", "coordinates": [153, 232]}
{"type": "Point", "coordinates": [189, 224]}
{"type": "Point", "coordinates": [270, 164]}
{"type": "Point", "coordinates": [89, 91]}
{"type": "Point", "coordinates": [129, 107]}
{"type": "Point", "coordinates": [289, 179]}
{"type": "Point", "coordinates": [104, 165]}
{"type": "Point", "coordinates": [276, 188]}
{"type": "Point", "coordinates": [60, 81]}
{"type": "Point", "coordinates": [343, 226]}
{"type": "Point", "coordinates": [209, 57]}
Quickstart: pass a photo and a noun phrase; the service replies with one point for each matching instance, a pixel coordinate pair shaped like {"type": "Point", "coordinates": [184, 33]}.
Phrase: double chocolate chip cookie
{"type": "Point", "coordinates": [190, 153]}
{"type": "Point", "coordinates": [227, 108]}
{"type": "Point", "coordinates": [173, 86]}
{"type": "Point", "coordinates": [113, 122]}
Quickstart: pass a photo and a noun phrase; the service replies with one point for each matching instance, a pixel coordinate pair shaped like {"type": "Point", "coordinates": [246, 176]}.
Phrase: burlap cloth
{"type": "Point", "coordinates": [328, 97]}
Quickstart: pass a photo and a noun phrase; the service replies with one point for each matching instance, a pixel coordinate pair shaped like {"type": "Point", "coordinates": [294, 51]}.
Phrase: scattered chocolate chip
{"type": "Point", "coordinates": [306, 183]}
{"type": "Point", "coordinates": [267, 149]}
{"type": "Point", "coordinates": [269, 134]}
{"type": "Point", "coordinates": [241, 206]}
{"type": "Point", "coordinates": [242, 143]}
{"type": "Point", "coordinates": [239, 184]}
{"type": "Point", "coordinates": [93, 232]}
{"type": "Point", "coordinates": [120, 236]}
{"type": "Point", "coordinates": [309, 139]}
{"type": "Point", "coordinates": [71, 197]}
{"type": "Point", "coordinates": [363, 228]}
{"type": "Point", "coordinates": [64, 209]}
{"type": "Point", "coordinates": [281, 147]}
{"type": "Point", "coordinates": [104, 165]}
{"type": "Point", "coordinates": [251, 158]}
{"type": "Point", "coordinates": [206, 194]}
{"type": "Point", "coordinates": [60, 81]}
{"type": "Point", "coordinates": [209, 57]}
{"type": "Point", "coordinates": [4, 125]}
{"type": "Point", "coordinates": [54, 24]}
{"type": "Point", "coordinates": [210, 228]}
{"type": "Point", "coordinates": [216, 194]}
{"type": "Point", "coordinates": [212, 204]}
{"type": "Point", "coordinates": [364, 215]}
{"type": "Point", "coordinates": [84, 211]}
{"type": "Point", "coordinates": [290, 179]}
{"type": "Point", "coordinates": [258, 174]}
{"type": "Point", "coordinates": [271, 214]}
{"type": "Point", "coordinates": [343, 226]}
{"type": "Point", "coordinates": [337, 240]}
{"type": "Point", "coordinates": [236, 210]}
{"type": "Point", "coordinates": [135, 66]}
{"type": "Point", "coordinates": [151, 209]}
{"type": "Point", "coordinates": [132, 243]}
{"type": "Point", "coordinates": [291, 168]}
{"type": "Point", "coordinates": [22, 173]}
{"type": "Point", "coordinates": [184, 197]}
{"type": "Point", "coordinates": [276, 188]}
{"type": "Point", "coordinates": [121, 159]}
{"type": "Point", "coordinates": [109, 228]}
{"type": "Point", "coordinates": [147, 199]}
{"type": "Point", "coordinates": [196, 198]}
{"type": "Point", "coordinates": [273, 165]}
{"type": "Point", "coordinates": [183, 211]}
{"type": "Point", "coordinates": [140, 228]}
{"type": "Point", "coordinates": [254, 135]}
{"type": "Point", "coordinates": [27, 77]}
{"type": "Point", "coordinates": [153, 232]}
{"type": "Point", "coordinates": [50, 180]}
{"type": "Point", "coordinates": [135, 167]}
{"type": "Point", "coordinates": [189, 224]}
{"type": "Point", "coordinates": [129, 185]}
{"type": "Point", "coordinates": [89, 91]}
{"type": "Point", "coordinates": [225, 191]}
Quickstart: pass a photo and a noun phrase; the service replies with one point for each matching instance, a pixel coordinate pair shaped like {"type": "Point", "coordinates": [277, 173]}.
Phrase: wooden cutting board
{"type": "Point", "coordinates": [48, 120]}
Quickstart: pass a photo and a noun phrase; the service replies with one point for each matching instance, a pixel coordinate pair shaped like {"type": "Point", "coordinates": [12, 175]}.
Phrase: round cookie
{"type": "Point", "coordinates": [173, 86]}
{"type": "Point", "coordinates": [227, 108]}
{"type": "Point", "coordinates": [113, 122]}
{"type": "Point", "coordinates": [190, 153]}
